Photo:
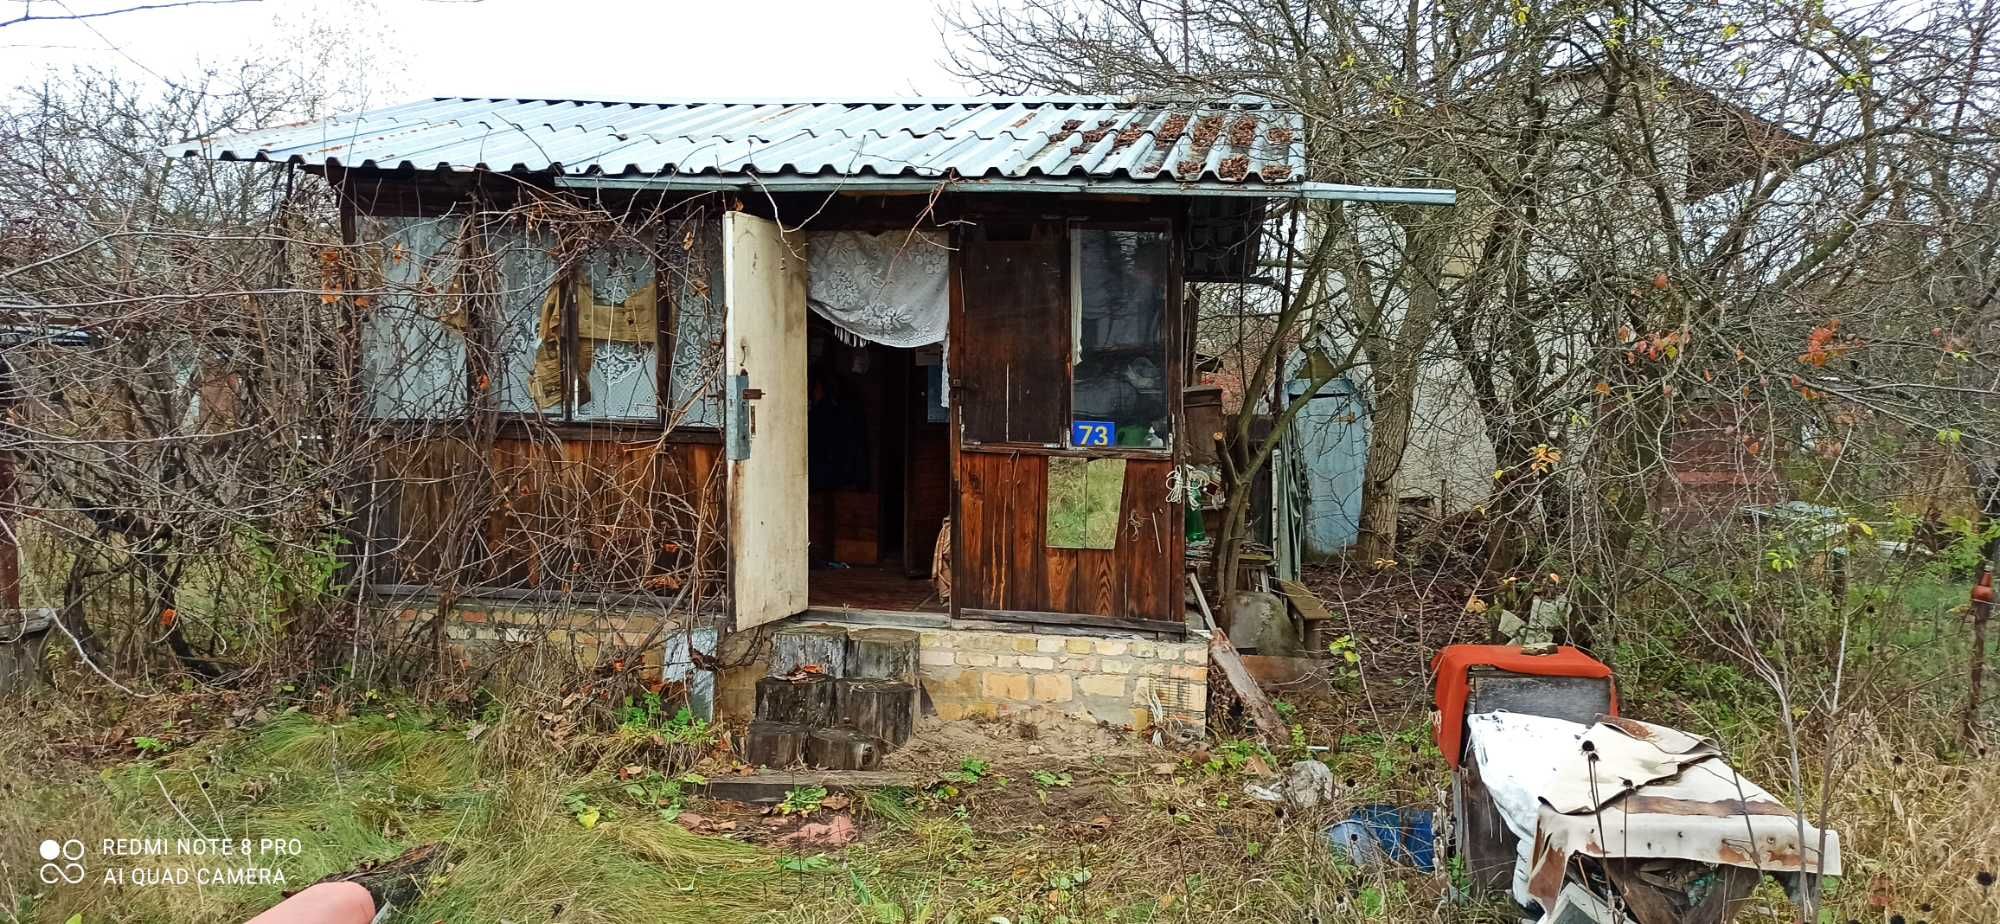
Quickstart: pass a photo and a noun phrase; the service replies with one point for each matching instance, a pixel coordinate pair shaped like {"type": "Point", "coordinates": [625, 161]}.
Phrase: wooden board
{"type": "Point", "coordinates": [926, 494]}
{"type": "Point", "coordinates": [1010, 362]}
{"type": "Point", "coordinates": [764, 297]}
{"type": "Point", "coordinates": [1304, 600]}
{"type": "Point", "coordinates": [1262, 714]}
{"type": "Point", "coordinates": [770, 786]}
{"type": "Point", "coordinates": [563, 512]}
{"type": "Point", "coordinates": [1003, 561]}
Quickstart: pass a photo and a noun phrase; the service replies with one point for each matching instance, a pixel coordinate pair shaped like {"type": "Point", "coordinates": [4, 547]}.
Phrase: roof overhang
{"type": "Point", "coordinates": [1339, 192]}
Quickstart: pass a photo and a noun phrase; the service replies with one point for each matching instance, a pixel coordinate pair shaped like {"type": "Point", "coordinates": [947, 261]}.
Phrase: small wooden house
{"type": "Point", "coordinates": [830, 359]}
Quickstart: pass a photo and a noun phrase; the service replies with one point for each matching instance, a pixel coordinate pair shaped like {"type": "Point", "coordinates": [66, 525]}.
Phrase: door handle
{"type": "Point", "coordinates": [736, 420]}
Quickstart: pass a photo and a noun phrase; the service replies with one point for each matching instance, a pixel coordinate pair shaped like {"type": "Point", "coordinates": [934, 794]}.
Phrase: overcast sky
{"type": "Point", "coordinates": [584, 49]}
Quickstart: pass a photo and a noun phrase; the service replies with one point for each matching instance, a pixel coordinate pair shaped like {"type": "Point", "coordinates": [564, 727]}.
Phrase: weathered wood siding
{"type": "Point", "coordinates": [549, 513]}
{"type": "Point", "coordinates": [1004, 561]}
{"type": "Point", "coordinates": [1010, 369]}
{"type": "Point", "coordinates": [1011, 377]}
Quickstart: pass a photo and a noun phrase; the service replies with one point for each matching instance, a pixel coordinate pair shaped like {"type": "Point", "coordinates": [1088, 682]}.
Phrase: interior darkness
{"type": "Point", "coordinates": [878, 465]}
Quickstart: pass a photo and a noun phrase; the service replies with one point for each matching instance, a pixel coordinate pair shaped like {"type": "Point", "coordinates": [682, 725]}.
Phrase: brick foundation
{"type": "Point", "coordinates": [975, 674]}
{"type": "Point", "coordinates": [965, 673]}
{"type": "Point", "coordinates": [587, 635]}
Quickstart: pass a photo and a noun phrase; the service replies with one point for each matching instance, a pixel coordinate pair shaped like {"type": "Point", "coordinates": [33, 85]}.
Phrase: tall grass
{"type": "Point", "coordinates": [369, 788]}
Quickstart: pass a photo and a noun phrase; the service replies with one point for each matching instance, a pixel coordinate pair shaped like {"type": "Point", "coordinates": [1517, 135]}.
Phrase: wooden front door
{"type": "Point", "coordinates": [764, 279]}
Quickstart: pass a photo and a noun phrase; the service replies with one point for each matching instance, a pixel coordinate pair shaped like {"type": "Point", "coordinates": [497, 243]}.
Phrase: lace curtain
{"type": "Point", "coordinates": [892, 289]}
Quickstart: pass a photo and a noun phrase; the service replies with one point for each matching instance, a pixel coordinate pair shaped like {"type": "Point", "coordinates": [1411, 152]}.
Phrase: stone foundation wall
{"type": "Point", "coordinates": [590, 634]}
{"type": "Point", "coordinates": [587, 635]}
{"type": "Point", "coordinates": [974, 674]}
{"type": "Point", "coordinates": [965, 673]}
{"type": "Point", "coordinates": [971, 674]}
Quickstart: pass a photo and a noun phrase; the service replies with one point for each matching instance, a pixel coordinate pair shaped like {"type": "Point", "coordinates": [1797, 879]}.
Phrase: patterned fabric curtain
{"type": "Point", "coordinates": [892, 289]}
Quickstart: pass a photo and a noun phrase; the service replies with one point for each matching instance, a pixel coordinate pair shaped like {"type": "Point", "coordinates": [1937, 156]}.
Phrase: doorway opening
{"type": "Point", "coordinates": [879, 472]}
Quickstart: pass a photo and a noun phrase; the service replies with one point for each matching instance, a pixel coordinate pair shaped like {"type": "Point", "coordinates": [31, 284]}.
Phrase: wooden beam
{"type": "Point", "coordinates": [1262, 714]}
{"type": "Point", "coordinates": [1077, 619]}
{"type": "Point", "coordinates": [1304, 600]}
{"type": "Point", "coordinates": [770, 786]}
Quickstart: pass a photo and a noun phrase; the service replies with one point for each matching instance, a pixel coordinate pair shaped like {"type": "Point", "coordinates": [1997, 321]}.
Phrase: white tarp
{"type": "Point", "coordinates": [1636, 790]}
{"type": "Point", "coordinates": [893, 288]}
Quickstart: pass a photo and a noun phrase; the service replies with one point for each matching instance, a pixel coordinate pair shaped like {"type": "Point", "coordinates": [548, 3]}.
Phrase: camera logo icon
{"type": "Point", "coordinates": [62, 862]}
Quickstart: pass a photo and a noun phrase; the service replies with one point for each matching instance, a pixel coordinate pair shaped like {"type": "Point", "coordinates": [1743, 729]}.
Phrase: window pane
{"type": "Point", "coordinates": [413, 339]}
{"type": "Point", "coordinates": [527, 273]}
{"type": "Point", "coordinates": [1120, 379]}
{"type": "Point", "coordinates": [691, 275]}
{"type": "Point", "coordinates": [618, 344]}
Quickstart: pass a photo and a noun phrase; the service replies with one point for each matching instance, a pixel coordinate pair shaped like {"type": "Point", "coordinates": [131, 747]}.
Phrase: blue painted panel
{"type": "Point", "coordinates": [1330, 440]}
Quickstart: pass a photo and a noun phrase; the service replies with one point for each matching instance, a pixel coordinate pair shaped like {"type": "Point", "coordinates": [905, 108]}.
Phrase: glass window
{"type": "Point", "coordinates": [691, 278]}
{"type": "Point", "coordinates": [528, 272]}
{"type": "Point", "coordinates": [618, 326]}
{"type": "Point", "coordinates": [1119, 380]}
{"type": "Point", "coordinates": [619, 298]}
{"type": "Point", "coordinates": [413, 338]}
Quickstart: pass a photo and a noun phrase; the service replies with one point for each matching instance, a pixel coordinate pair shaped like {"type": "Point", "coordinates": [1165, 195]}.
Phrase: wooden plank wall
{"type": "Point", "coordinates": [1011, 379]}
{"type": "Point", "coordinates": [1003, 561]}
{"type": "Point", "coordinates": [555, 514]}
{"type": "Point", "coordinates": [1010, 369]}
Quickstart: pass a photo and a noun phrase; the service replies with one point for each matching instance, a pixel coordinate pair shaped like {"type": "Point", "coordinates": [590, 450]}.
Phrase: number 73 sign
{"type": "Point", "coordinates": [1090, 433]}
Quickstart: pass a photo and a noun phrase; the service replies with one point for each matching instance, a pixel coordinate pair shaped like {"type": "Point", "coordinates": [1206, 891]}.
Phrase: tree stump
{"type": "Point", "coordinates": [774, 744]}
{"type": "Point", "coordinates": [807, 701]}
{"type": "Point", "coordinates": [843, 749]}
{"type": "Point", "coordinates": [881, 709]}
{"type": "Point", "coordinates": [824, 646]}
{"type": "Point", "coordinates": [882, 654]}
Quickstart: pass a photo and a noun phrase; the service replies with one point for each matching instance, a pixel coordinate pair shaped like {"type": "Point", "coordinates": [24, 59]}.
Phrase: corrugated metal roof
{"type": "Point", "coordinates": [1236, 144]}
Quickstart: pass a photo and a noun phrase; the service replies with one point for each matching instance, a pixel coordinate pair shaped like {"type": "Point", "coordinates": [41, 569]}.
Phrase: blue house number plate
{"type": "Point", "coordinates": [1090, 433]}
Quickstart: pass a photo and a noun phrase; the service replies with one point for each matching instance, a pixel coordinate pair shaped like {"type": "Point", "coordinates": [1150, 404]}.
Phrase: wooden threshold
{"type": "Point", "coordinates": [1078, 620]}
{"type": "Point", "coordinates": [770, 786]}
{"type": "Point", "coordinates": [977, 620]}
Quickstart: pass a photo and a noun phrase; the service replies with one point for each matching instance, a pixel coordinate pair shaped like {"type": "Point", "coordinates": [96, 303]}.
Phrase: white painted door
{"type": "Point", "coordinates": [764, 292]}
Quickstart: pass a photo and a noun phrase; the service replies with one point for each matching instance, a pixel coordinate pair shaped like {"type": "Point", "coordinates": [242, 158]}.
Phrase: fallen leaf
{"type": "Point", "coordinates": [1256, 766]}
{"type": "Point", "coordinates": [835, 833]}
{"type": "Point", "coordinates": [835, 803]}
{"type": "Point", "coordinates": [1163, 769]}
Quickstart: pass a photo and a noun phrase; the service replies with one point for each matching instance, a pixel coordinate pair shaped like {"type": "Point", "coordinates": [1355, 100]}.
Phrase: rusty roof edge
{"type": "Point", "coordinates": [1244, 102]}
{"type": "Point", "coordinates": [1316, 191]}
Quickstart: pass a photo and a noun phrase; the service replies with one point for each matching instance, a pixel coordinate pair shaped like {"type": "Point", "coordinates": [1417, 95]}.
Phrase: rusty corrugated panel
{"type": "Point", "coordinates": [1232, 144]}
